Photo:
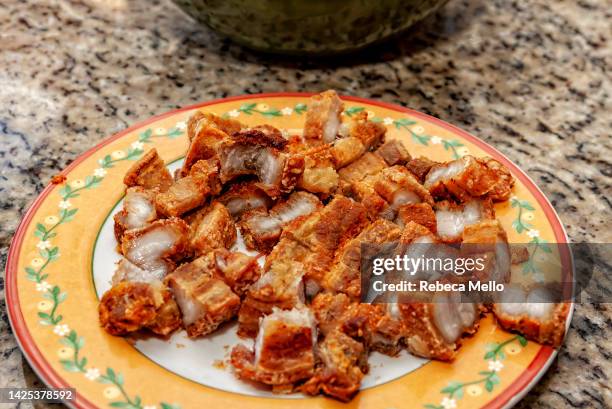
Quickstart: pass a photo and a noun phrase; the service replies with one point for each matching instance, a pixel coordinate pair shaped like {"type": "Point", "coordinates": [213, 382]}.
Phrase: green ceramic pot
{"type": "Point", "coordinates": [308, 26]}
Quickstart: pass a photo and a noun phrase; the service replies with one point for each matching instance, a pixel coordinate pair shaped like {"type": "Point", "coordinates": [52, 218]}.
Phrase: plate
{"type": "Point", "coordinates": [61, 260]}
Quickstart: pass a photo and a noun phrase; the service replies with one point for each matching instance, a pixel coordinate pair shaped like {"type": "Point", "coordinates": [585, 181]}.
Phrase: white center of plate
{"type": "Point", "coordinates": [205, 360]}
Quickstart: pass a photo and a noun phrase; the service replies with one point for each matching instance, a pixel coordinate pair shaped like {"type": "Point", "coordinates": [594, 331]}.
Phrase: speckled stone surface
{"type": "Point", "coordinates": [530, 77]}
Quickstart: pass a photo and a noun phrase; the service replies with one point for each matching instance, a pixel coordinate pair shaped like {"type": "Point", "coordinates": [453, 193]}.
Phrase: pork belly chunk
{"type": "Point", "coordinates": [201, 120]}
{"type": "Point", "coordinates": [345, 274]}
{"type": "Point", "coordinates": [488, 240]}
{"type": "Point", "coordinates": [281, 286]}
{"type": "Point", "coordinates": [236, 269]}
{"type": "Point", "coordinates": [420, 167]}
{"type": "Point", "coordinates": [346, 150]}
{"type": "Point", "coordinates": [138, 210]}
{"type": "Point", "coordinates": [366, 165]}
{"type": "Point", "coordinates": [329, 227]}
{"type": "Point", "coordinates": [205, 145]}
{"type": "Point", "coordinates": [284, 349]}
{"type": "Point", "coordinates": [319, 175]}
{"type": "Point", "coordinates": [131, 306]}
{"type": "Point", "coordinates": [434, 330]}
{"type": "Point", "coordinates": [342, 365]}
{"type": "Point", "coordinates": [212, 228]}
{"type": "Point", "coordinates": [157, 246]}
{"type": "Point", "coordinates": [191, 191]}
{"type": "Point", "coordinates": [259, 152]}
{"type": "Point", "coordinates": [469, 177]}
{"type": "Point", "coordinates": [531, 313]}
{"type": "Point", "coordinates": [502, 190]}
{"type": "Point", "coordinates": [128, 271]}
{"type": "Point", "coordinates": [371, 134]}
{"type": "Point", "coordinates": [261, 229]}
{"type": "Point", "coordinates": [420, 213]}
{"type": "Point", "coordinates": [383, 193]}
{"type": "Point", "coordinates": [393, 152]}
{"type": "Point", "coordinates": [149, 172]}
{"type": "Point", "coordinates": [451, 218]}
{"type": "Point", "coordinates": [323, 117]}
{"type": "Point", "coordinates": [205, 301]}
{"type": "Point", "coordinates": [245, 196]}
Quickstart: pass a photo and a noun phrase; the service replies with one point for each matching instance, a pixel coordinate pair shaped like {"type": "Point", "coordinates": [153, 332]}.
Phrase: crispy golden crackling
{"type": "Point", "coordinates": [212, 228]}
{"type": "Point", "coordinates": [191, 191]}
{"type": "Point", "coordinates": [149, 172]}
{"type": "Point", "coordinates": [323, 117]}
{"type": "Point", "coordinates": [204, 300]}
{"type": "Point", "coordinates": [131, 306]}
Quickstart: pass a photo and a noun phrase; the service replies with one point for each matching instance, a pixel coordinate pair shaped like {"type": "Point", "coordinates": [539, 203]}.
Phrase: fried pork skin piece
{"type": "Point", "coordinates": [532, 313]}
{"type": "Point", "coordinates": [191, 191]}
{"type": "Point", "coordinates": [502, 190]}
{"type": "Point", "coordinates": [200, 120]}
{"type": "Point", "coordinates": [366, 165]}
{"type": "Point", "coordinates": [205, 145]}
{"type": "Point", "coordinates": [420, 167]}
{"type": "Point", "coordinates": [149, 172]}
{"type": "Point", "coordinates": [346, 150]}
{"type": "Point", "coordinates": [342, 365]}
{"type": "Point", "coordinates": [138, 210]}
{"type": "Point", "coordinates": [281, 286]}
{"type": "Point", "coordinates": [319, 175]}
{"type": "Point", "coordinates": [157, 246]}
{"type": "Point", "coordinates": [367, 323]}
{"type": "Point", "coordinates": [284, 349]}
{"type": "Point", "coordinates": [393, 152]}
{"type": "Point", "coordinates": [245, 196]}
{"type": "Point", "coordinates": [360, 136]}
{"type": "Point", "coordinates": [205, 301]}
{"type": "Point", "coordinates": [452, 219]}
{"type": "Point", "coordinates": [468, 177]}
{"type": "Point", "coordinates": [371, 134]}
{"type": "Point", "coordinates": [131, 306]}
{"type": "Point", "coordinates": [434, 330]}
{"type": "Point", "coordinates": [236, 269]}
{"type": "Point", "coordinates": [345, 273]}
{"type": "Point", "coordinates": [488, 239]}
{"type": "Point", "coordinates": [420, 213]}
{"type": "Point", "coordinates": [211, 229]}
{"type": "Point", "coordinates": [383, 193]}
{"type": "Point", "coordinates": [128, 271]}
{"type": "Point", "coordinates": [258, 151]}
{"type": "Point", "coordinates": [323, 117]}
{"type": "Point", "coordinates": [261, 229]}
{"type": "Point", "coordinates": [340, 220]}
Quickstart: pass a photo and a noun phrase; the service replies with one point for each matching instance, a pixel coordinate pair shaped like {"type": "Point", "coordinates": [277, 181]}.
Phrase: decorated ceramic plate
{"type": "Point", "coordinates": [62, 259]}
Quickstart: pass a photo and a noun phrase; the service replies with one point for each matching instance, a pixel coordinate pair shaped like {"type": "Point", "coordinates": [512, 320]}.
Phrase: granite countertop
{"type": "Point", "coordinates": [529, 77]}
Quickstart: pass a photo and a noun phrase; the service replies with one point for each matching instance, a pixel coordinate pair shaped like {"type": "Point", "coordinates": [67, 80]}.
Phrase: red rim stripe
{"type": "Point", "coordinates": [45, 371]}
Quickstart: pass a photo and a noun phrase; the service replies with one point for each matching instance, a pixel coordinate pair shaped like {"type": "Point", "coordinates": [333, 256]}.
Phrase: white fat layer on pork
{"type": "Point", "coordinates": [452, 318]}
{"type": "Point", "coordinates": [536, 304]}
{"type": "Point", "coordinates": [191, 310]}
{"type": "Point", "coordinates": [452, 222]}
{"type": "Point", "coordinates": [400, 198]}
{"type": "Point", "coordinates": [450, 170]}
{"type": "Point", "coordinates": [128, 271]}
{"type": "Point", "coordinates": [146, 251]}
{"type": "Point", "coordinates": [240, 205]}
{"type": "Point", "coordinates": [298, 204]}
{"type": "Point", "coordinates": [140, 209]}
{"type": "Point", "coordinates": [295, 317]}
{"type": "Point", "coordinates": [331, 127]}
{"type": "Point", "coordinates": [253, 159]}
